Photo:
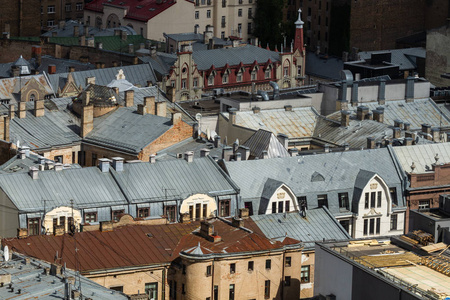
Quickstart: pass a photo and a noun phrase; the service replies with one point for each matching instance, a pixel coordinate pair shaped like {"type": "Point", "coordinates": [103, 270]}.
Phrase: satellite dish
{"type": "Point", "coordinates": [198, 116]}
{"type": "Point", "coordinates": [6, 253]}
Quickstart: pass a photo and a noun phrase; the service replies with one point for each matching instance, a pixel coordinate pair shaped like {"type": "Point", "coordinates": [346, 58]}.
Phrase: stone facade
{"type": "Point", "coordinates": [438, 56]}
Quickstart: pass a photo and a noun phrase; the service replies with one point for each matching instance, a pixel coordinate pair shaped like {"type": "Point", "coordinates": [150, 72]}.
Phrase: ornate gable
{"type": "Point", "coordinates": [70, 88]}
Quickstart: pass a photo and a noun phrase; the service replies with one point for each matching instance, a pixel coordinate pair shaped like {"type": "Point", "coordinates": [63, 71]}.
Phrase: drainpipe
{"type": "Point", "coordinates": [282, 275]}
{"type": "Point", "coordinates": [212, 281]}
{"type": "Point", "coordinates": [163, 292]}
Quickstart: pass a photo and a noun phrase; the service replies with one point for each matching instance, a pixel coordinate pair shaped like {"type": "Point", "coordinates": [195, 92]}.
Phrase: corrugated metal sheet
{"type": "Point", "coordinates": [316, 226]}
{"type": "Point", "coordinates": [172, 179]}
{"type": "Point", "coordinates": [423, 156]}
{"type": "Point", "coordinates": [299, 122]}
{"type": "Point", "coordinates": [339, 170]}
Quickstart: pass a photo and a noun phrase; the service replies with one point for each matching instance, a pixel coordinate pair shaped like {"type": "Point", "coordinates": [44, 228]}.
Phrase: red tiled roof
{"type": "Point", "coordinates": [138, 245]}
{"type": "Point", "coordinates": [141, 10]}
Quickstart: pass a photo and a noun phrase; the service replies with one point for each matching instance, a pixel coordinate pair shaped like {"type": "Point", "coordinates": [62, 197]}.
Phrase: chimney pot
{"type": "Point", "coordinates": [406, 126]}
{"type": "Point", "coordinates": [408, 141]}
{"type": "Point", "coordinates": [361, 112]}
{"type": "Point", "coordinates": [398, 123]}
{"type": "Point", "coordinates": [22, 154]}
{"type": "Point", "coordinates": [26, 149]}
{"type": "Point", "coordinates": [216, 141]}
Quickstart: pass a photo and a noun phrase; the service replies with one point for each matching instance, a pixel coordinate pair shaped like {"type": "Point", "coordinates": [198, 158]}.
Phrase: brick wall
{"type": "Point", "coordinates": [19, 17]}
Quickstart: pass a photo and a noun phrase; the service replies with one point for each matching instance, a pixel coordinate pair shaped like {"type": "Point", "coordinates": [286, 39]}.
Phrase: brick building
{"type": "Point", "coordinates": [53, 12]}
{"type": "Point", "coordinates": [19, 17]}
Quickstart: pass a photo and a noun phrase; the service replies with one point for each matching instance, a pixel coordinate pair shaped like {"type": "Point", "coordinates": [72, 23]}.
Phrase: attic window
{"type": "Point", "coordinates": [317, 177]}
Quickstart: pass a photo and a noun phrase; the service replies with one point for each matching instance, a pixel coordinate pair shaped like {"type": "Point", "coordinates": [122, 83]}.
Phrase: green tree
{"type": "Point", "coordinates": [268, 22]}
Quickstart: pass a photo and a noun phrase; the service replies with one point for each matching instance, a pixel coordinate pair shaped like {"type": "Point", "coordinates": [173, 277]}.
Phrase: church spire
{"type": "Point", "coordinates": [298, 42]}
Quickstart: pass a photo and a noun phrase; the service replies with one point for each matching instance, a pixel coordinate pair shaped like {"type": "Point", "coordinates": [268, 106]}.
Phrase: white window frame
{"type": "Point", "coordinates": [51, 9]}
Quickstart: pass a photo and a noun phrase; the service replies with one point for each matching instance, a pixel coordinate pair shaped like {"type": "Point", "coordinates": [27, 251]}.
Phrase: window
{"type": "Point", "coordinates": [371, 226]}
{"type": "Point", "coordinates": [379, 199]}
{"type": "Point", "coordinates": [345, 224]}
{"type": "Point", "coordinates": [267, 74]}
{"type": "Point", "coordinates": [287, 280]}
{"type": "Point", "coordinates": [366, 201]}
{"type": "Point", "coordinates": [309, 11]}
{"type": "Point", "coordinates": [224, 208]}
{"type": "Point", "coordinates": [172, 83]}
{"type": "Point", "coordinates": [365, 226]}
{"type": "Point", "coordinates": [231, 293]}
{"type": "Point", "coordinates": [183, 267]}
{"type": "Point", "coordinates": [216, 292]}
{"type": "Point", "coordinates": [151, 289]}
{"type": "Point", "coordinates": [249, 206]}
{"type": "Point", "coordinates": [183, 83]}
{"type": "Point", "coordinates": [195, 82]}
{"type": "Point", "coordinates": [239, 29]}
{"type": "Point", "coordinates": [183, 289]}
{"type": "Point", "coordinates": [232, 268]}
{"type": "Point", "coordinates": [288, 261]}
{"type": "Point", "coordinates": [208, 13]}
{"type": "Point", "coordinates": [203, 2]}
{"type": "Point", "coordinates": [239, 76]}
{"type": "Point", "coordinates": [302, 203]}
{"type": "Point", "coordinates": [116, 213]}
{"type": "Point", "coordinates": [287, 204]}
{"type": "Point", "coordinates": [34, 225]}
{"type": "Point", "coordinates": [94, 159]}
{"type": "Point", "coordinates": [51, 9]}
{"type": "Point", "coordinates": [286, 71]}
{"type": "Point", "coordinates": [267, 289]}
{"type": "Point", "coordinates": [249, 28]}
{"type": "Point", "coordinates": [143, 212]}
{"type": "Point", "coordinates": [211, 79]}
{"type": "Point", "coordinates": [393, 192]}
{"type": "Point", "coordinates": [59, 159]}
{"type": "Point", "coordinates": [372, 199]}
{"type": "Point", "coordinates": [274, 207]}
{"type": "Point", "coordinates": [280, 207]}
{"type": "Point", "coordinates": [68, 7]}
{"type": "Point", "coordinates": [173, 289]}
{"type": "Point", "coordinates": [394, 222]}
{"type": "Point", "coordinates": [250, 13]}
{"type": "Point", "coordinates": [424, 204]}
{"type": "Point", "coordinates": [118, 288]}
{"type": "Point", "coordinates": [254, 75]}
{"type": "Point", "coordinates": [205, 211]}
{"type": "Point", "coordinates": [343, 201]}
{"type": "Point", "coordinates": [208, 270]}
{"type": "Point", "coordinates": [90, 217]}
{"type": "Point", "coordinates": [250, 265]}
{"type": "Point", "coordinates": [171, 212]}
{"type": "Point", "coordinates": [268, 264]}
{"type": "Point", "coordinates": [222, 35]}
{"type": "Point", "coordinates": [225, 79]}
{"type": "Point", "coordinates": [79, 6]}
{"type": "Point", "coordinates": [224, 3]}
{"type": "Point", "coordinates": [304, 275]}
{"type": "Point", "coordinates": [377, 229]}
{"type": "Point", "coordinates": [240, 1]}
{"type": "Point", "coordinates": [50, 23]}
{"type": "Point", "coordinates": [224, 23]}
{"type": "Point", "coordinates": [322, 200]}
{"type": "Point", "coordinates": [197, 14]}
{"type": "Point", "coordinates": [239, 12]}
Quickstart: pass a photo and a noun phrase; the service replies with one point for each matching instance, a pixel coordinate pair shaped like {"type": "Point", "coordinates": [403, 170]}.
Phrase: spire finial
{"type": "Point", "coordinates": [299, 23]}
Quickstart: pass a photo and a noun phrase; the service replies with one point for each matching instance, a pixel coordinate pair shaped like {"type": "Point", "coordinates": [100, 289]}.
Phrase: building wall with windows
{"type": "Point", "coordinates": [19, 17]}
{"type": "Point", "coordinates": [53, 12]}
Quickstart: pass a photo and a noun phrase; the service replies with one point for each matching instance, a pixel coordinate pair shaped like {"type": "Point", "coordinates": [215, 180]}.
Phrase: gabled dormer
{"type": "Point", "coordinates": [277, 197]}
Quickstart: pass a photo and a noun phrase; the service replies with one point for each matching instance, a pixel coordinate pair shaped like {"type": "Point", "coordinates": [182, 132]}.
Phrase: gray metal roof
{"type": "Point", "coordinates": [161, 63]}
{"type": "Point", "coordinates": [264, 140]}
{"type": "Point", "coordinates": [299, 122]}
{"type": "Point", "coordinates": [136, 74]}
{"type": "Point", "coordinates": [318, 225]}
{"type": "Point", "coordinates": [189, 144]}
{"type": "Point", "coordinates": [405, 58]}
{"type": "Point", "coordinates": [10, 87]}
{"type": "Point", "coordinates": [126, 130]}
{"type": "Point", "coordinates": [362, 179]}
{"type": "Point", "coordinates": [33, 284]}
{"type": "Point", "coordinates": [323, 67]}
{"type": "Point", "coordinates": [143, 182]}
{"type": "Point", "coordinates": [67, 30]}
{"type": "Point", "coordinates": [423, 156]}
{"type": "Point", "coordinates": [339, 170]}
{"type": "Point", "coordinates": [233, 56]}
{"type": "Point", "coordinates": [88, 187]}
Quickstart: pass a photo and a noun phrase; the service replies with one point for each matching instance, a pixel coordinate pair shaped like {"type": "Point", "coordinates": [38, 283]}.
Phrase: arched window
{"type": "Point", "coordinates": [32, 97]}
{"type": "Point", "coordinates": [211, 79]}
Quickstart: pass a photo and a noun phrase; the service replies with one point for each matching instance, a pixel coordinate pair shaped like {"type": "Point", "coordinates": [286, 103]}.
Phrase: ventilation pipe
{"type": "Point", "coordinates": [276, 90]}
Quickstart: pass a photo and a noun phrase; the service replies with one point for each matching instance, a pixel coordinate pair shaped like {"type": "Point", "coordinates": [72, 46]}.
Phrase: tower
{"type": "Point", "coordinates": [298, 41]}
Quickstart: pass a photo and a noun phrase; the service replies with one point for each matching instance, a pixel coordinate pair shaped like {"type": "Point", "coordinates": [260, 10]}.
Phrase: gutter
{"type": "Point", "coordinates": [124, 269]}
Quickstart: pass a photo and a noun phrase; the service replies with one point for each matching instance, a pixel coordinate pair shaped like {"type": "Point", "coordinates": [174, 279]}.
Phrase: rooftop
{"type": "Point", "coordinates": [423, 156]}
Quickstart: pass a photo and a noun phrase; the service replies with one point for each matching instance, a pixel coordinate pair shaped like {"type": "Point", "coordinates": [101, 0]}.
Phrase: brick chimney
{"type": "Point", "coordinates": [149, 103]}
{"type": "Point", "coordinates": [232, 114]}
{"type": "Point", "coordinates": [87, 119]}
{"type": "Point", "coordinates": [407, 141]}
{"type": "Point", "coordinates": [361, 112]}
{"type": "Point", "coordinates": [370, 142]}
{"type": "Point", "coordinates": [396, 132]}
{"type": "Point", "coordinates": [283, 139]}
{"type": "Point", "coordinates": [176, 118]}
{"type": "Point", "coordinates": [426, 129]}
{"type": "Point", "coordinates": [345, 118]}
{"type": "Point", "coordinates": [207, 232]}
{"type": "Point", "coordinates": [406, 126]}
{"type": "Point", "coordinates": [51, 69]}
{"type": "Point", "coordinates": [435, 133]}
{"type": "Point", "coordinates": [129, 98]}
{"type": "Point", "coordinates": [378, 115]}
{"type": "Point", "coordinates": [39, 108]}
{"type": "Point", "coordinates": [141, 109]}
{"type": "Point", "coordinates": [11, 110]}
{"type": "Point", "coordinates": [161, 109]}
{"type": "Point", "coordinates": [22, 110]}
{"type": "Point", "coordinates": [398, 123]}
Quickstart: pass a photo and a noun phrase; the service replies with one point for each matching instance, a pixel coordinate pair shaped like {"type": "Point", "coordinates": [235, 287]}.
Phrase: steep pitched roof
{"type": "Point", "coordinates": [265, 140]}
{"type": "Point", "coordinates": [362, 179]}
{"type": "Point", "coordinates": [269, 189]}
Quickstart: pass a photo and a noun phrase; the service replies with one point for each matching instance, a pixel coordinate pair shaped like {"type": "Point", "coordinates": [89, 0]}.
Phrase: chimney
{"type": "Point", "coordinates": [90, 80]}
{"type": "Point", "coordinates": [189, 156]}
{"type": "Point", "coordinates": [378, 115]}
{"type": "Point", "coordinates": [237, 222]}
{"type": "Point", "coordinates": [129, 98]}
{"type": "Point", "coordinates": [204, 152]}
{"type": "Point", "coordinates": [22, 110]}
{"type": "Point", "coordinates": [293, 151]}
{"type": "Point", "coordinates": [341, 104]}
{"type": "Point", "coordinates": [161, 109]}
{"type": "Point", "coordinates": [408, 141]}
{"type": "Point", "coordinates": [435, 133]}
{"type": "Point", "coordinates": [176, 118]}
{"type": "Point", "coordinates": [87, 119]}
{"type": "Point", "coordinates": [103, 164]}
{"type": "Point", "coordinates": [227, 153]}
{"type": "Point", "coordinates": [406, 126]}
{"type": "Point", "coordinates": [264, 154]}
{"type": "Point", "coordinates": [130, 48]}
{"type": "Point", "coordinates": [398, 123]}
{"type": "Point", "coordinates": [82, 40]}
{"type": "Point", "coordinates": [26, 149]}
{"type": "Point", "coordinates": [152, 159]}
{"type": "Point", "coordinates": [106, 226]}
{"type": "Point", "coordinates": [378, 144]}
{"type": "Point", "coordinates": [90, 42]}
{"type": "Point", "coordinates": [21, 154]}
{"type": "Point", "coordinates": [36, 52]}
{"type": "Point", "coordinates": [326, 148]}
{"type": "Point", "coordinates": [59, 167]}
{"type": "Point", "coordinates": [11, 111]}
{"type": "Point", "coordinates": [86, 98]}
{"type": "Point", "coordinates": [346, 146]}
{"type": "Point", "coordinates": [116, 90]}
{"type": "Point", "coordinates": [284, 139]}
{"type": "Point", "coordinates": [71, 69]}
{"type": "Point", "coordinates": [51, 69]}
{"type": "Point", "coordinates": [99, 45]}
{"type": "Point", "coordinates": [141, 46]}
{"type": "Point", "coordinates": [216, 141]}
{"type": "Point", "coordinates": [345, 118]}
{"type": "Point", "coordinates": [361, 112]}
{"type": "Point", "coordinates": [15, 71]}
{"type": "Point", "coordinates": [211, 44]}
{"type": "Point", "coordinates": [76, 31]}
{"type": "Point", "coordinates": [39, 108]}
{"type": "Point", "coordinates": [396, 132]}
{"type": "Point", "coordinates": [355, 94]}
{"type": "Point", "coordinates": [117, 163]}
{"type": "Point", "coordinates": [426, 129]}
{"type": "Point", "coordinates": [381, 92]}
{"type": "Point", "coordinates": [123, 35]}
{"type": "Point", "coordinates": [235, 146]}
{"type": "Point", "coordinates": [256, 109]}
{"type": "Point", "coordinates": [370, 142]}
{"type": "Point", "coordinates": [141, 109]}
{"type": "Point", "coordinates": [232, 112]}
{"type": "Point", "coordinates": [288, 107]}
{"type": "Point", "coordinates": [6, 128]}
{"type": "Point", "coordinates": [55, 269]}
{"type": "Point", "coordinates": [86, 30]}
{"type": "Point", "coordinates": [237, 156]}
{"type": "Point", "coordinates": [33, 173]}
{"type": "Point", "coordinates": [149, 103]}
{"type": "Point", "coordinates": [409, 93]}
{"type": "Point", "coordinates": [244, 151]}
{"type": "Point", "coordinates": [343, 91]}
{"type": "Point", "coordinates": [206, 229]}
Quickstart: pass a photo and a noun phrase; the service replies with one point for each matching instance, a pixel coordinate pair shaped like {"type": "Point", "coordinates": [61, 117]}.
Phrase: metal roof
{"type": "Point", "coordinates": [318, 225]}
{"type": "Point", "coordinates": [324, 67]}
{"type": "Point", "coordinates": [263, 140]}
{"type": "Point", "coordinates": [67, 30]}
{"type": "Point", "coordinates": [423, 156]}
{"type": "Point", "coordinates": [126, 130]}
{"type": "Point", "coordinates": [10, 87]}
{"type": "Point", "coordinates": [173, 179]}
{"type": "Point", "coordinates": [138, 75]}
{"type": "Point", "coordinates": [405, 58]}
{"type": "Point", "coordinates": [339, 170]}
{"type": "Point", "coordinates": [190, 144]}
{"type": "Point", "coordinates": [233, 56]}
{"type": "Point", "coordinates": [299, 122]}
{"type": "Point", "coordinates": [88, 187]}
{"type": "Point", "coordinates": [161, 63]}
{"type": "Point", "coordinates": [29, 278]}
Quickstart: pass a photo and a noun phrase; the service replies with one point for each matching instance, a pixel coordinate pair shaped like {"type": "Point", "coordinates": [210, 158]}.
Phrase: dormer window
{"type": "Point", "coordinates": [254, 77]}
{"type": "Point", "coordinates": [211, 79]}
{"type": "Point", "coordinates": [225, 79]}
